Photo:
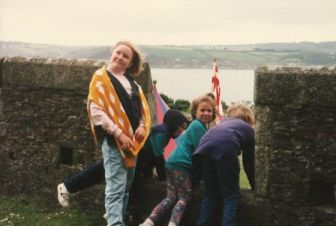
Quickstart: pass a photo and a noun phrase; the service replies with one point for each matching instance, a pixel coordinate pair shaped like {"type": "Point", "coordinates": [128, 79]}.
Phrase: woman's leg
{"type": "Point", "coordinates": [136, 187]}
{"type": "Point", "coordinates": [88, 177]}
{"type": "Point", "coordinates": [116, 183]}
{"type": "Point", "coordinates": [130, 178]}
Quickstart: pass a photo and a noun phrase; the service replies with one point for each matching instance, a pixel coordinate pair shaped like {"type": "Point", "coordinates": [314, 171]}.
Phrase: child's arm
{"type": "Point", "coordinates": [158, 143]}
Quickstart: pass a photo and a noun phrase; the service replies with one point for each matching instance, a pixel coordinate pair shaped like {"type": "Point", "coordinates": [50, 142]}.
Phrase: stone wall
{"type": "Point", "coordinates": [44, 128]}
{"type": "Point", "coordinates": [296, 140]}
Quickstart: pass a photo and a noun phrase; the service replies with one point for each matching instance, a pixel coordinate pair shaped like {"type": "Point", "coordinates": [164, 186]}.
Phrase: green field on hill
{"type": "Point", "coordinates": [248, 56]}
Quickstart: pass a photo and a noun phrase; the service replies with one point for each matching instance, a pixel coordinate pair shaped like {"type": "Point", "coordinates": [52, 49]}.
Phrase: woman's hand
{"type": "Point", "coordinates": [125, 141]}
{"type": "Point", "coordinates": [139, 133]}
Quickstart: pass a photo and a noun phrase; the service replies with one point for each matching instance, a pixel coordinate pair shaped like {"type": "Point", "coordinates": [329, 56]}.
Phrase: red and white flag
{"type": "Point", "coordinates": [216, 90]}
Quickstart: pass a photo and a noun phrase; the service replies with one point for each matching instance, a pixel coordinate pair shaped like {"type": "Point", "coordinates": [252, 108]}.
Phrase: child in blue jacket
{"type": "Point", "coordinates": [218, 152]}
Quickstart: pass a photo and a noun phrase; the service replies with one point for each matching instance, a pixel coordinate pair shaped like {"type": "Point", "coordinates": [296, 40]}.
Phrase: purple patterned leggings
{"type": "Point", "coordinates": [179, 192]}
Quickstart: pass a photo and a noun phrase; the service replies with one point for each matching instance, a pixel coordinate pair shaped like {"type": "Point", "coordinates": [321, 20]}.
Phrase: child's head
{"type": "Point", "coordinates": [135, 66]}
{"type": "Point", "coordinates": [241, 111]}
{"type": "Point", "coordinates": [176, 122]}
{"type": "Point", "coordinates": [204, 109]}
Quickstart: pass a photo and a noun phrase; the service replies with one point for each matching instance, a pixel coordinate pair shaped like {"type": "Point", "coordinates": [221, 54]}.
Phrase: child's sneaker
{"type": "Point", "coordinates": [148, 222]}
{"type": "Point", "coordinates": [63, 195]}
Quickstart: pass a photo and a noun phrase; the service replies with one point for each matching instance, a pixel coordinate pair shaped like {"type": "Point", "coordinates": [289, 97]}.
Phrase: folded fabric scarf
{"type": "Point", "coordinates": [103, 94]}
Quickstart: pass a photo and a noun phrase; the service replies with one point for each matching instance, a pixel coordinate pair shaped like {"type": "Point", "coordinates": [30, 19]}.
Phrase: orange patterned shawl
{"type": "Point", "coordinates": [104, 95]}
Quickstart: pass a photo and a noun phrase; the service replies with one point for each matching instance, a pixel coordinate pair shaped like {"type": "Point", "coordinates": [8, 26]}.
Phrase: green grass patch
{"type": "Point", "coordinates": [243, 178]}
{"type": "Point", "coordinates": [20, 211]}
{"type": "Point", "coordinates": [26, 211]}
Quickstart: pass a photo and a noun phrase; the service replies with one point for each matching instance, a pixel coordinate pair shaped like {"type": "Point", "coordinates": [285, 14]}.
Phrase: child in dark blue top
{"type": "Point", "coordinates": [218, 152]}
{"type": "Point", "coordinates": [178, 165]}
{"type": "Point", "coordinates": [152, 155]}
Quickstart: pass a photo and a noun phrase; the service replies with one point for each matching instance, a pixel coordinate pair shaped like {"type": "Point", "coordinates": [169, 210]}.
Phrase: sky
{"type": "Point", "coordinates": [167, 22]}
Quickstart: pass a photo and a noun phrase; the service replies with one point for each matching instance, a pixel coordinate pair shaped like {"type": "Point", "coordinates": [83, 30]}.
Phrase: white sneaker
{"type": "Point", "coordinates": [148, 222]}
{"type": "Point", "coordinates": [105, 216]}
{"type": "Point", "coordinates": [63, 195]}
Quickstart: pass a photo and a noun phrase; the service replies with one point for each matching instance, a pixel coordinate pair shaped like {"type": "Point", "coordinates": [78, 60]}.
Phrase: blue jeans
{"type": "Point", "coordinates": [118, 182]}
{"type": "Point", "coordinates": [88, 177]}
{"type": "Point", "coordinates": [221, 185]}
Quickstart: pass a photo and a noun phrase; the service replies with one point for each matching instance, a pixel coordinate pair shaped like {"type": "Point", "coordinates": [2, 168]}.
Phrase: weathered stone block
{"type": "Point", "coordinates": [296, 131]}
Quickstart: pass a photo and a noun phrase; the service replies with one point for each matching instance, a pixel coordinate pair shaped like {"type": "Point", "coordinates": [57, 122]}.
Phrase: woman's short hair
{"type": "Point", "coordinates": [136, 61]}
{"type": "Point", "coordinates": [241, 111]}
{"type": "Point", "coordinates": [205, 98]}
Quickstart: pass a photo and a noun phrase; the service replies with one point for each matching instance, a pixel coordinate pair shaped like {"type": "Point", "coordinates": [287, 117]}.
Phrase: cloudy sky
{"type": "Point", "coordinates": [178, 22]}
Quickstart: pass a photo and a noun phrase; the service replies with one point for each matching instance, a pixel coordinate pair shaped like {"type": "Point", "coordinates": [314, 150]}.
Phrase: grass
{"type": "Point", "coordinates": [22, 211]}
{"type": "Point", "coordinates": [243, 178]}
{"type": "Point", "coordinates": [25, 211]}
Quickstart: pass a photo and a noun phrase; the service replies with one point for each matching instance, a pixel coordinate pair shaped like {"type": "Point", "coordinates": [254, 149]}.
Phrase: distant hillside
{"type": "Point", "coordinates": [194, 56]}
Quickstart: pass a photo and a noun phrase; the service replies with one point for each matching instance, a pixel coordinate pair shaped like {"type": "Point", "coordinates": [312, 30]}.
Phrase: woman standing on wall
{"type": "Point", "coordinates": [120, 122]}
